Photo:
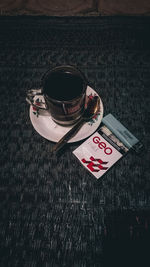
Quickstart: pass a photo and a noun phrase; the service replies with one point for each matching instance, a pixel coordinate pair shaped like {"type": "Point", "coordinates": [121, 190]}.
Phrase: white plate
{"type": "Point", "coordinates": [47, 128]}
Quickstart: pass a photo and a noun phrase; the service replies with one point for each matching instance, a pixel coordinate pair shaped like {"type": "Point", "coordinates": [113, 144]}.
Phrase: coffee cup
{"type": "Point", "coordinates": [64, 93]}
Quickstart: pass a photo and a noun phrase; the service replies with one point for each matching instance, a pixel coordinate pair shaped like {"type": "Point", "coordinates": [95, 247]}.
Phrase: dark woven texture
{"type": "Point", "coordinates": [52, 211]}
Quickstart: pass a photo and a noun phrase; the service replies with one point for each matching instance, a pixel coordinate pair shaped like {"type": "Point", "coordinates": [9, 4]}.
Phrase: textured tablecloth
{"type": "Point", "coordinates": [52, 211]}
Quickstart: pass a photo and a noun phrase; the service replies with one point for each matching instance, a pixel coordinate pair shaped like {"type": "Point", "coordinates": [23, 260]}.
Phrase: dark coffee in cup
{"type": "Point", "coordinates": [63, 86]}
{"type": "Point", "coordinates": [64, 92]}
{"type": "Point", "coordinates": [64, 89]}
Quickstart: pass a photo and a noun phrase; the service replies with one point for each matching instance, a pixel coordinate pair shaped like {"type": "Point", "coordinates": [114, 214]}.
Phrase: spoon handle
{"type": "Point", "coordinates": [68, 136]}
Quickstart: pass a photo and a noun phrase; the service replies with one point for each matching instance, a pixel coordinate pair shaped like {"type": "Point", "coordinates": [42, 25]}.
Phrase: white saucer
{"type": "Point", "coordinates": [48, 129]}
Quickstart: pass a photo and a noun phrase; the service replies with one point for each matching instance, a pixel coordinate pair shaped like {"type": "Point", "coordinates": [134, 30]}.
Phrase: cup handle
{"type": "Point", "coordinates": [30, 98]}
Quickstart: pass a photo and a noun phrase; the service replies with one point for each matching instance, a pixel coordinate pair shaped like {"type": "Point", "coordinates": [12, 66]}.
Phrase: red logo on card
{"type": "Point", "coordinates": [91, 164]}
{"type": "Point", "coordinates": [102, 145]}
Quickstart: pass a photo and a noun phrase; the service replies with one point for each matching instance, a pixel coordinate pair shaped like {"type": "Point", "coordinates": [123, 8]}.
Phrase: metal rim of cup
{"type": "Point", "coordinates": [67, 67]}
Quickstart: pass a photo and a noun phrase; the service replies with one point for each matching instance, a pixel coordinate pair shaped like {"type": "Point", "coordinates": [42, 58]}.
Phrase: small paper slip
{"type": "Point", "coordinates": [105, 147]}
{"type": "Point", "coordinates": [97, 155]}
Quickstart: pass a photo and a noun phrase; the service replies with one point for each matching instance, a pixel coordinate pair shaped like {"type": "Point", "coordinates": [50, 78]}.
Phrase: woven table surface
{"type": "Point", "coordinates": [52, 211]}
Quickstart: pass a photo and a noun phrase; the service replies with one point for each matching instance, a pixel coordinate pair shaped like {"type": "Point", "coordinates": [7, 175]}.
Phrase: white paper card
{"type": "Point", "coordinates": [97, 155]}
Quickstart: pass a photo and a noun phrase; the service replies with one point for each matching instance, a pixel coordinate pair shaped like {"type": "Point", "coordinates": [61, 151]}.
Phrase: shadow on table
{"type": "Point", "coordinates": [127, 239]}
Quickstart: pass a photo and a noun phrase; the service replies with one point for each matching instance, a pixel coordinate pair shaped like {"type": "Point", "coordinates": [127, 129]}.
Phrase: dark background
{"type": "Point", "coordinates": [52, 211]}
